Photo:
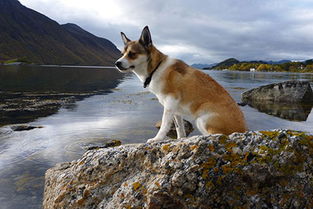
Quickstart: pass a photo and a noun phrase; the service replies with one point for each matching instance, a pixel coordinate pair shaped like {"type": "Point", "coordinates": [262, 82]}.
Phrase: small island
{"type": "Point", "coordinates": [263, 66]}
{"type": "Point", "coordinates": [16, 61]}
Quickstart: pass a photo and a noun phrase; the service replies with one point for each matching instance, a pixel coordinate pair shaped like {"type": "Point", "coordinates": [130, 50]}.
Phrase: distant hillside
{"type": "Point", "coordinates": [27, 34]}
{"type": "Point", "coordinates": [202, 66]}
{"type": "Point", "coordinates": [278, 62]}
{"type": "Point", "coordinates": [270, 66]}
{"type": "Point", "coordinates": [225, 64]}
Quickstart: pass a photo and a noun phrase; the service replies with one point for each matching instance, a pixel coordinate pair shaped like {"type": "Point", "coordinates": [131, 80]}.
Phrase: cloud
{"type": "Point", "coordinates": [197, 31]}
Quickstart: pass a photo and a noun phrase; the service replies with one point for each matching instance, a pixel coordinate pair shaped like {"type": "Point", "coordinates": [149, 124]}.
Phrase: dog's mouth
{"type": "Point", "coordinates": [121, 68]}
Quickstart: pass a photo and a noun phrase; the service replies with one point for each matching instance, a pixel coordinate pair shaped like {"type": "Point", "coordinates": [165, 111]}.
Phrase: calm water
{"type": "Point", "coordinates": [127, 112]}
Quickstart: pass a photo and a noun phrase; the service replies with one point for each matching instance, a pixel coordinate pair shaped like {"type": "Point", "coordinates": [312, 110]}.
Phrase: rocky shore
{"type": "Point", "coordinates": [262, 169]}
{"type": "Point", "coordinates": [24, 107]}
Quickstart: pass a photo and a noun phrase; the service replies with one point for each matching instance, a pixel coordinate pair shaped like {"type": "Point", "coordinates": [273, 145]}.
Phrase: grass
{"type": "Point", "coordinates": [22, 60]}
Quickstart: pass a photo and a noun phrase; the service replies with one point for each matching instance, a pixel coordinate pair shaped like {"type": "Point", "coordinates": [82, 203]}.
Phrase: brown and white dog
{"type": "Point", "coordinates": [181, 89]}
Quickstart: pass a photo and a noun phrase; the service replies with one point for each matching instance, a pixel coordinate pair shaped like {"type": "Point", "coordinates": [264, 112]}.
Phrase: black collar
{"type": "Point", "coordinates": [148, 79]}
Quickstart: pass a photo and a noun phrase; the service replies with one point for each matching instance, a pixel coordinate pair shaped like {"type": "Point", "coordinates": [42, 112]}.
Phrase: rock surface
{"type": "Point", "coordinates": [24, 127]}
{"type": "Point", "coordinates": [23, 107]}
{"type": "Point", "coordinates": [265, 169]}
{"type": "Point", "coordinates": [285, 92]}
{"type": "Point", "coordinates": [112, 143]}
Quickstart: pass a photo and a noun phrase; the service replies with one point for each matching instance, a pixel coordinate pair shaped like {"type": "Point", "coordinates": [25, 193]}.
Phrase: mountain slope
{"type": "Point", "coordinates": [35, 37]}
{"type": "Point", "coordinates": [225, 64]}
{"type": "Point", "coordinates": [97, 46]}
{"type": "Point", "coordinates": [203, 66]}
{"type": "Point", "coordinates": [278, 62]}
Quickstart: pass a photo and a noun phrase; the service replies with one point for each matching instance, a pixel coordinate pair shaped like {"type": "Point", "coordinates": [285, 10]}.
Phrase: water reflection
{"type": "Point", "coordinates": [30, 92]}
{"type": "Point", "coordinates": [292, 112]}
{"type": "Point", "coordinates": [57, 79]}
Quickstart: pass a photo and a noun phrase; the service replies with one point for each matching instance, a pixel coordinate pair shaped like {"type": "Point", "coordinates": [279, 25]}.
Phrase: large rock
{"type": "Point", "coordinates": [285, 92]}
{"type": "Point", "coordinates": [265, 169]}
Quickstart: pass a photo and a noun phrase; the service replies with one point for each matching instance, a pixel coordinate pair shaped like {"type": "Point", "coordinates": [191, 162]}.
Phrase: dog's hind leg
{"type": "Point", "coordinates": [180, 128]}
{"type": "Point", "coordinates": [210, 124]}
{"type": "Point", "coordinates": [203, 123]}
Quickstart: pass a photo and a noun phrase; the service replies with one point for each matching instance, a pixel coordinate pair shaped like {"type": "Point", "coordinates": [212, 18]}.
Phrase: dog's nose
{"type": "Point", "coordinates": [118, 64]}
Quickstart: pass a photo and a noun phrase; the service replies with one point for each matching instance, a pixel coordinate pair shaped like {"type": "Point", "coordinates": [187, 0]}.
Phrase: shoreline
{"type": "Point", "coordinates": [56, 65]}
{"type": "Point", "coordinates": [257, 71]}
{"type": "Point", "coordinates": [26, 107]}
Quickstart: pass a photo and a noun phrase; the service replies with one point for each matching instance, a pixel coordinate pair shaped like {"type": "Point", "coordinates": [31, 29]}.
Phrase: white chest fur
{"type": "Point", "coordinates": [168, 101]}
{"type": "Point", "coordinates": [157, 82]}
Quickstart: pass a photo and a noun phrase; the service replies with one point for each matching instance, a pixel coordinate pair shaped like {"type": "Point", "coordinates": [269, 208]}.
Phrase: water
{"type": "Point", "coordinates": [124, 111]}
{"type": "Point", "coordinates": [29, 92]}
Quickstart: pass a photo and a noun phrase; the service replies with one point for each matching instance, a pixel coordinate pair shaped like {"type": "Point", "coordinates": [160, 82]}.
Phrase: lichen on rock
{"type": "Point", "coordinates": [265, 169]}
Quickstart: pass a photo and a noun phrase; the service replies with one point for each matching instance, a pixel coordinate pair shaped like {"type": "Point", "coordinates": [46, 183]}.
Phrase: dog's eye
{"type": "Point", "coordinates": [131, 54]}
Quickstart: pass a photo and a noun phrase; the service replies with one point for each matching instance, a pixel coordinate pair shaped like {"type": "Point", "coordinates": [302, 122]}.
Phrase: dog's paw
{"type": "Point", "coordinates": [152, 140]}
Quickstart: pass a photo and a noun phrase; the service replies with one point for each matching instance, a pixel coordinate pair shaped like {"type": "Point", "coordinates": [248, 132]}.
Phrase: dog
{"type": "Point", "coordinates": [184, 92]}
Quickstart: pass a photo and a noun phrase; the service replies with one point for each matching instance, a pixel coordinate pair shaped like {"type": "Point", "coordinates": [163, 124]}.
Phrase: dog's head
{"type": "Point", "coordinates": [136, 53]}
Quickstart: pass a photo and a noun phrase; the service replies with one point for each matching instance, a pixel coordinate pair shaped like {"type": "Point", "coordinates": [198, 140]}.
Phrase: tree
{"type": "Point", "coordinates": [309, 62]}
{"type": "Point", "coordinates": [264, 67]}
{"type": "Point", "coordinates": [309, 68]}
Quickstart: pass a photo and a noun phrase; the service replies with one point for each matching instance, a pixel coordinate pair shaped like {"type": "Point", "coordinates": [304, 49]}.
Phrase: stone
{"type": "Point", "coordinates": [293, 91]}
{"type": "Point", "coordinates": [24, 127]}
{"type": "Point", "coordinates": [172, 132]}
{"type": "Point", "coordinates": [256, 169]}
{"type": "Point", "coordinates": [112, 143]}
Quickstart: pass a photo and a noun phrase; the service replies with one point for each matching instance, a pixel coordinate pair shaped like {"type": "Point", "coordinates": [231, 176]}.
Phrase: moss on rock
{"type": "Point", "coordinates": [251, 170]}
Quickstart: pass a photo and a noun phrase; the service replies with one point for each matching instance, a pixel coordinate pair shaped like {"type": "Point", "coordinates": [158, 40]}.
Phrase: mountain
{"type": "Point", "coordinates": [226, 63]}
{"type": "Point", "coordinates": [278, 62]}
{"type": "Point", "coordinates": [254, 62]}
{"type": "Point", "coordinates": [201, 66]}
{"type": "Point", "coordinates": [27, 34]}
{"type": "Point", "coordinates": [308, 62]}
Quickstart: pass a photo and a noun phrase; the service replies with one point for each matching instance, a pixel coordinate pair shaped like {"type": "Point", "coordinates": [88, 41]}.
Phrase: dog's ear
{"type": "Point", "coordinates": [145, 38]}
{"type": "Point", "coordinates": [124, 38]}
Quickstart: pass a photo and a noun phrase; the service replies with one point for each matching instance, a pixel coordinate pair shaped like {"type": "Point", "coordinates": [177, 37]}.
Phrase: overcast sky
{"type": "Point", "coordinates": [198, 31]}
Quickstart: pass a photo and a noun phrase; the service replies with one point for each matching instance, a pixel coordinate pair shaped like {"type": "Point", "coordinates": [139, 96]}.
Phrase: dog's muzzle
{"type": "Point", "coordinates": [119, 65]}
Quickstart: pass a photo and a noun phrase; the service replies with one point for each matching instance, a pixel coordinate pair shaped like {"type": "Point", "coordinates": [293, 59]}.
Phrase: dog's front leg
{"type": "Point", "coordinates": [180, 128]}
{"type": "Point", "coordinates": [167, 120]}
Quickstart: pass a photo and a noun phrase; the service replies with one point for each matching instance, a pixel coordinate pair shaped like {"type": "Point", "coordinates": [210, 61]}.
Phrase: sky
{"type": "Point", "coordinates": [197, 31]}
